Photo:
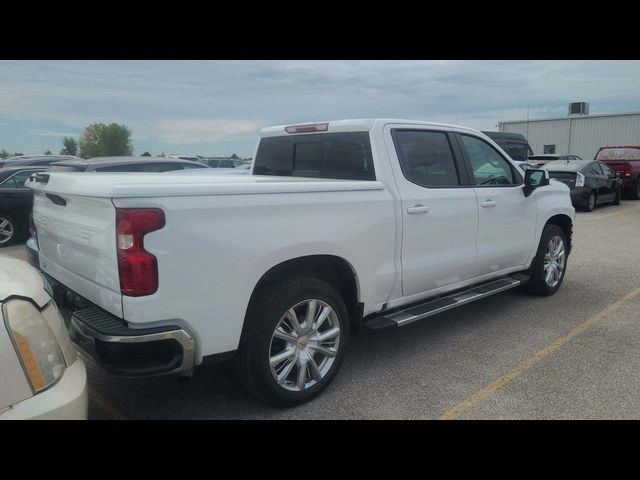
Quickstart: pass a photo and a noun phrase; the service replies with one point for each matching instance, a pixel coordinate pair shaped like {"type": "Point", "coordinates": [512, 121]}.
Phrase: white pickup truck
{"type": "Point", "coordinates": [341, 225]}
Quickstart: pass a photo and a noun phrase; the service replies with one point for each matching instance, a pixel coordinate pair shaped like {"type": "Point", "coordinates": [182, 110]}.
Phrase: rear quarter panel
{"type": "Point", "coordinates": [213, 251]}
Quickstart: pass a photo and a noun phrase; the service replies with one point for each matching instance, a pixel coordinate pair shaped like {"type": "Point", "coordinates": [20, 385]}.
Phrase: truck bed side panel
{"type": "Point", "coordinates": [214, 250]}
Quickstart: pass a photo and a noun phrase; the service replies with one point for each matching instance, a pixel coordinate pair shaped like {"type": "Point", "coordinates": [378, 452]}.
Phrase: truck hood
{"type": "Point", "coordinates": [122, 185]}
{"type": "Point", "coordinates": [19, 279]}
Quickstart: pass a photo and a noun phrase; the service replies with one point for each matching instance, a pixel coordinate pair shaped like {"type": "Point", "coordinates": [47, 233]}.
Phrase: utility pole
{"type": "Point", "coordinates": [527, 123]}
{"type": "Point", "coordinates": [149, 139]}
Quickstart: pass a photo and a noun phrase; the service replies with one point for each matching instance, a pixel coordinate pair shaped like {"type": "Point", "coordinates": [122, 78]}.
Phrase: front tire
{"type": "Point", "coordinates": [294, 342]}
{"type": "Point", "coordinates": [550, 263]}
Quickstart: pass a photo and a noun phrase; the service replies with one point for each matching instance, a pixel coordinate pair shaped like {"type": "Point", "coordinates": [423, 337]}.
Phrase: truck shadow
{"type": "Point", "coordinates": [408, 372]}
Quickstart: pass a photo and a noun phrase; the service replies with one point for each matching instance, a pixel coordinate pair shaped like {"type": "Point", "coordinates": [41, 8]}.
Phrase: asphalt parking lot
{"type": "Point", "coordinates": [511, 356]}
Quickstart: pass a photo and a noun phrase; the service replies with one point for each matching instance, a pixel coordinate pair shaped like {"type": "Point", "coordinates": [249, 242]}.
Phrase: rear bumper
{"type": "Point", "coordinates": [119, 348]}
{"type": "Point", "coordinates": [628, 183]}
{"type": "Point", "coordinates": [33, 256]}
{"type": "Point", "coordinates": [126, 351]}
{"type": "Point", "coordinates": [579, 196]}
{"type": "Point", "coordinates": [66, 400]}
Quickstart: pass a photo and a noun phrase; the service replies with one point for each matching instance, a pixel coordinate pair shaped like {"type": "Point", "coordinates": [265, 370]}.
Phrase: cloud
{"type": "Point", "coordinates": [222, 104]}
{"type": "Point", "coordinates": [53, 133]}
{"type": "Point", "coordinates": [190, 131]}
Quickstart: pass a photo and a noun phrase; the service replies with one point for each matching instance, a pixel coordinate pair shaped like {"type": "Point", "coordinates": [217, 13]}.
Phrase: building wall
{"type": "Point", "coordinates": [580, 136]}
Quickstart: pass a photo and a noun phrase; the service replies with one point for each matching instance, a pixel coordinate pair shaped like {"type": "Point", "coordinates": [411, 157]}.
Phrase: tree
{"type": "Point", "coordinates": [70, 145]}
{"type": "Point", "coordinates": [146, 154]}
{"type": "Point", "coordinates": [100, 140]}
{"type": "Point", "coordinates": [235, 157]}
{"type": "Point", "coordinates": [48, 152]}
{"type": "Point", "coordinates": [162, 155]}
{"type": "Point", "coordinates": [4, 154]}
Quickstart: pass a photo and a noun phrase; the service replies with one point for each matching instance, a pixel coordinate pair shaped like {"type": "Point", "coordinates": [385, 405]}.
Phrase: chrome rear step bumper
{"type": "Point", "coordinates": [413, 313]}
{"type": "Point", "coordinates": [126, 351]}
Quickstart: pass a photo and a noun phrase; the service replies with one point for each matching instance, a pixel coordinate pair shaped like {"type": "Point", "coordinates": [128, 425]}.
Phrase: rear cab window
{"type": "Point", "coordinates": [621, 153]}
{"type": "Point", "coordinates": [338, 156]}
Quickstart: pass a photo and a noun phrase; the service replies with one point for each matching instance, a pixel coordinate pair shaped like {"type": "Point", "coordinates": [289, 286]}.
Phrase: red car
{"type": "Point", "coordinates": [625, 161]}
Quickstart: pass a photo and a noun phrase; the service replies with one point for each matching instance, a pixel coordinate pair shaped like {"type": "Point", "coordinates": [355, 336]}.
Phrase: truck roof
{"type": "Point", "coordinates": [353, 125]}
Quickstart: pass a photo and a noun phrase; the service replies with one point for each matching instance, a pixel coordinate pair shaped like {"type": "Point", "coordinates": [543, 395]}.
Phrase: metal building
{"type": "Point", "coordinates": [580, 134]}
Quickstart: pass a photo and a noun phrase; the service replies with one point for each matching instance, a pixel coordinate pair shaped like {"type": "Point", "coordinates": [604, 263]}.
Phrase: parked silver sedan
{"type": "Point", "coordinates": [41, 377]}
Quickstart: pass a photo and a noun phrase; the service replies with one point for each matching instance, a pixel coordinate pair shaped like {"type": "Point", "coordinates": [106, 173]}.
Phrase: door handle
{"type": "Point", "coordinates": [488, 203]}
{"type": "Point", "coordinates": [419, 208]}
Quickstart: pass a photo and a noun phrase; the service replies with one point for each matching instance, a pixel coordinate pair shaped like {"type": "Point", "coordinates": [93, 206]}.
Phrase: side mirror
{"type": "Point", "coordinates": [534, 179]}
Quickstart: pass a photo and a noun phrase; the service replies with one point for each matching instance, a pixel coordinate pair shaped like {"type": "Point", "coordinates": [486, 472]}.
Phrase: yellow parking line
{"type": "Point", "coordinates": [455, 411]}
{"type": "Point", "coordinates": [106, 406]}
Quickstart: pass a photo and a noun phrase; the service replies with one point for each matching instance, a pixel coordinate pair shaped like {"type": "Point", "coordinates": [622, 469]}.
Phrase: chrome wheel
{"type": "Point", "coordinates": [554, 261]}
{"type": "Point", "coordinates": [6, 230]}
{"type": "Point", "coordinates": [304, 345]}
{"type": "Point", "coordinates": [592, 201]}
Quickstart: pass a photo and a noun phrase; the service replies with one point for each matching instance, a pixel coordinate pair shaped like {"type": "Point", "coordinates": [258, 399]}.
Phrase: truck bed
{"type": "Point", "coordinates": [132, 185]}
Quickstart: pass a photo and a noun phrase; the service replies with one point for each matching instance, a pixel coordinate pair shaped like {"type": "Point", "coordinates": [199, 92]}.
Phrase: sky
{"type": "Point", "coordinates": [216, 108]}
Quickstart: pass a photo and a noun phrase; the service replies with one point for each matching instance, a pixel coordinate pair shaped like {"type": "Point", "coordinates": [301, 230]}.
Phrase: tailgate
{"type": "Point", "coordinates": [77, 245]}
{"type": "Point", "coordinates": [619, 166]}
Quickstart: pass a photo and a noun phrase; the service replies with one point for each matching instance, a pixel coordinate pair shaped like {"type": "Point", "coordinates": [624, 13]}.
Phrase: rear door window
{"type": "Point", "coordinates": [595, 169]}
{"type": "Point", "coordinates": [426, 158]}
{"type": "Point", "coordinates": [607, 171]}
{"type": "Point", "coordinates": [345, 156]}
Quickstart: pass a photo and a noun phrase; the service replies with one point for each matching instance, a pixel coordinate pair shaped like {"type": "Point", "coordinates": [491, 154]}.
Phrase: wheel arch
{"type": "Point", "coordinates": [335, 270]}
{"type": "Point", "coordinates": [566, 224]}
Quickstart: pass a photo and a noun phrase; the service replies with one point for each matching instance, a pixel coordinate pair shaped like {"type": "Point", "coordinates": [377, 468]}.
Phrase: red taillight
{"type": "Point", "coordinates": [138, 269]}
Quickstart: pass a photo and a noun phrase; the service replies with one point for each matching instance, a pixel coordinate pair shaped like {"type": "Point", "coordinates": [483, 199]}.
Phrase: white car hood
{"type": "Point", "coordinates": [19, 279]}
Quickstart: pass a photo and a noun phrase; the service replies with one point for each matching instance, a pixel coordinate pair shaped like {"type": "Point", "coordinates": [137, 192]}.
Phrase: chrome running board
{"type": "Point", "coordinates": [415, 312]}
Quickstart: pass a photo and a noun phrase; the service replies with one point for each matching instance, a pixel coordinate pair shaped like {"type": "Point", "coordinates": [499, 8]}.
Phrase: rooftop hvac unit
{"type": "Point", "coordinates": [579, 108]}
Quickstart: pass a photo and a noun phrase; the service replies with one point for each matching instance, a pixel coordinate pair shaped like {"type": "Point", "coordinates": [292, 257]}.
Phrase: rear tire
{"type": "Point", "coordinates": [308, 364]}
{"type": "Point", "coordinates": [616, 198]}
{"type": "Point", "coordinates": [591, 202]}
{"type": "Point", "coordinates": [10, 230]}
{"type": "Point", "coordinates": [547, 259]}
